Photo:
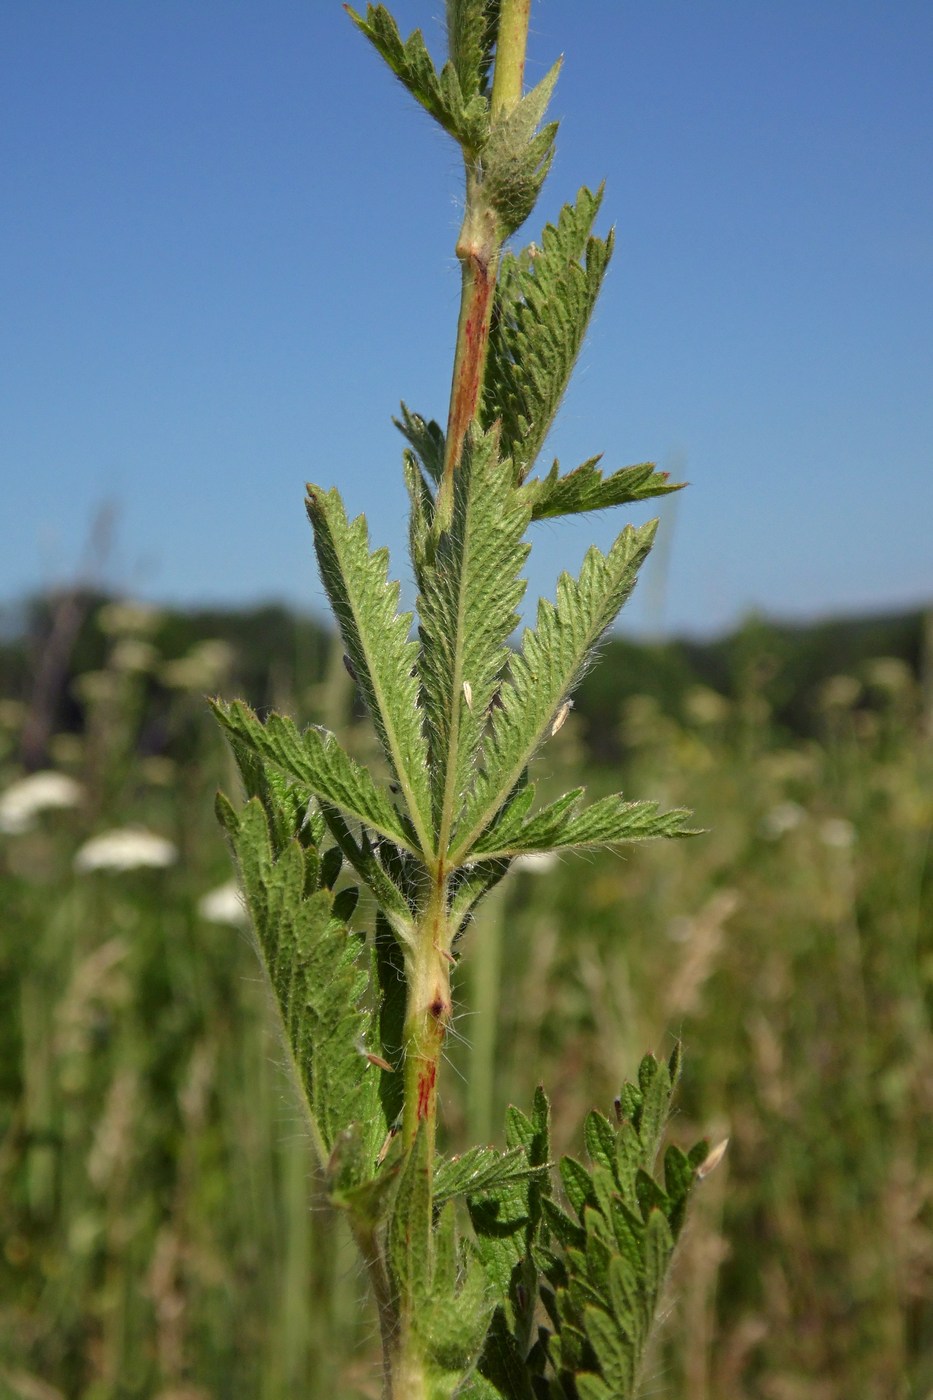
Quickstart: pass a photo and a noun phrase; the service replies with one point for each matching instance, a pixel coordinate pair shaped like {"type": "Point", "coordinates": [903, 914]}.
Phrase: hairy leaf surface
{"type": "Point", "coordinates": [481, 1169]}
{"type": "Point", "coordinates": [469, 593]}
{"type": "Point", "coordinates": [608, 822]}
{"type": "Point", "coordinates": [516, 158]}
{"type": "Point", "coordinates": [317, 974]}
{"type": "Point", "coordinates": [586, 489]}
{"type": "Point", "coordinates": [551, 662]}
{"type": "Point", "coordinates": [466, 118]}
{"type": "Point", "coordinates": [316, 759]}
{"type": "Point", "coordinates": [376, 636]}
{"type": "Point", "coordinates": [544, 299]}
{"type": "Point", "coordinates": [472, 26]}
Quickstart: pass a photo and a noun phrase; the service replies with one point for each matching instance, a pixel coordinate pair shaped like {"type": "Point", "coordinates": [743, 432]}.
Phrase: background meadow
{"type": "Point", "coordinates": [155, 1174]}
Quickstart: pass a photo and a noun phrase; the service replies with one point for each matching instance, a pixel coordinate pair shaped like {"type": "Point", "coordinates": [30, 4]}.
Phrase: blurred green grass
{"type": "Point", "coordinates": [163, 1230]}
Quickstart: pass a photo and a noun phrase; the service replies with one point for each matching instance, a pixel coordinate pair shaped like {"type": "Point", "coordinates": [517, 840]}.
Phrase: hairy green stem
{"type": "Point", "coordinates": [428, 960]}
{"type": "Point", "coordinates": [427, 1017]}
{"type": "Point", "coordinates": [511, 43]}
{"type": "Point", "coordinates": [478, 248]}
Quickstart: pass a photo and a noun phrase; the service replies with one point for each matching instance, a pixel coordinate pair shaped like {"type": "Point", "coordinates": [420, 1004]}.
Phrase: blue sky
{"type": "Point", "coordinates": [227, 253]}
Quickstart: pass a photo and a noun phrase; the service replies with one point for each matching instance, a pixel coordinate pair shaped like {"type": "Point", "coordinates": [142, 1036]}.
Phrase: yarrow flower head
{"type": "Point", "coordinates": [22, 801]}
{"type": "Point", "coordinates": [127, 848]}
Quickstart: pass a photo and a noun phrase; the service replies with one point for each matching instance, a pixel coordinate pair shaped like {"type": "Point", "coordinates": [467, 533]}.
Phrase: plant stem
{"type": "Point", "coordinates": [427, 963]}
{"type": "Point", "coordinates": [427, 1017]}
{"type": "Point", "coordinates": [478, 248]}
{"type": "Point", "coordinates": [511, 43]}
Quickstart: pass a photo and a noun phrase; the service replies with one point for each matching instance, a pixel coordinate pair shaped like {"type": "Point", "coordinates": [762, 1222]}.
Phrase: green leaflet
{"type": "Point", "coordinates": [606, 1275]}
{"type": "Point", "coordinates": [469, 593]}
{"type": "Point", "coordinates": [394, 906]}
{"type": "Point", "coordinates": [482, 1169]}
{"type": "Point", "coordinates": [365, 604]}
{"type": "Point", "coordinates": [427, 439]}
{"type": "Point", "coordinates": [465, 117]}
{"type": "Point", "coordinates": [551, 661]}
{"type": "Point", "coordinates": [544, 300]}
{"type": "Point", "coordinates": [507, 1219]}
{"type": "Point", "coordinates": [316, 759]}
{"type": "Point", "coordinates": [471, 37]}
{"type": "Point", "coordinates": [610, 821]}
{"type": "Point", "coordinates": [314, 967]}
{"type": "Point", "coordinates": [585, 488]}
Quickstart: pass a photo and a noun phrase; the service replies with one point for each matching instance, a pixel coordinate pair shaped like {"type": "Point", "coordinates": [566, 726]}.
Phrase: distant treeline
{"type": "Point", "coordinates": [277, 657]}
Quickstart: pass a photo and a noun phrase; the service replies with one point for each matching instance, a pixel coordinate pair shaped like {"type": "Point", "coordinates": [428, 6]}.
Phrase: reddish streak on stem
{"type": "Point", "coordinates": [470, 371]}
{"type": "Point", "coordinates": [426, 1082]}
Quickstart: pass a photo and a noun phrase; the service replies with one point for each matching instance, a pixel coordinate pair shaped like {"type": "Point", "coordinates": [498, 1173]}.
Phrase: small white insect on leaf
{"type": "Point", "coordinates": [711, 1162]}
{"type": "Point", "coordinates": [468, 694]}
{"type": "Point", "coordinates": [561, 716]}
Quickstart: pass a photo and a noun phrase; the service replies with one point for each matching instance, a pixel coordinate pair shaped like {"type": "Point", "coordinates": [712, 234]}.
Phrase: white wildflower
{"type": "Point", "coordinates": [837, 832]}
{"type": "Point", "coordinates": [705, 706]}
{"type": "Point", "coordinates": [22, 802]}
{"type": "Point", "coordinates": [224, 905]}
{"type": "Point", "coordinates": [205, 667]}
{"type": "Point", "coordinates": [889, 673]}
{"type": "Point", "coordinates": [840, 692]}
{"type": "Point", "coordinates": [128, 619]}
{"type": "Point", "coordinates": [128, 848]}
{"type": "Point", "coordinates": [783, 817]}
{"type": "Point", "coordinates": [131, 654]}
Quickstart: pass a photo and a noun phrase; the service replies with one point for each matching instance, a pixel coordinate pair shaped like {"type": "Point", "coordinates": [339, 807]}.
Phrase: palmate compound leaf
{"type": "Point", "coordinates": [465, 117]}
{"type": "Point", "coordinates": [544, 299]}
{"type": "Point", "coordinates": [316, 759]}
{"type": "Point", "coordinates": [585, 488]}
{"type": "Point", "coordinates": [467, 604]}
{"type": "Point", "coordinates": [376, 636]}
{"type": "Point", "coordinates": [316, 970]}
{"type": "Point", "coordinates": [551, 661]}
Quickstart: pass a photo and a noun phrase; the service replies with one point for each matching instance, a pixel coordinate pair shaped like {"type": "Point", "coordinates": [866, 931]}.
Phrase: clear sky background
{"type": "Point", "coordinates": [226, 252]}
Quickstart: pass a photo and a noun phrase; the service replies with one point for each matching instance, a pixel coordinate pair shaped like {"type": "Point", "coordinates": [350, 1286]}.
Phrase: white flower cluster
{"type": "Point", "coordinates": [224, 905]}
{"type": "Point", "coordinates": [23, 801]}
{"type": "Point", "coordinates": [126, 848]}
